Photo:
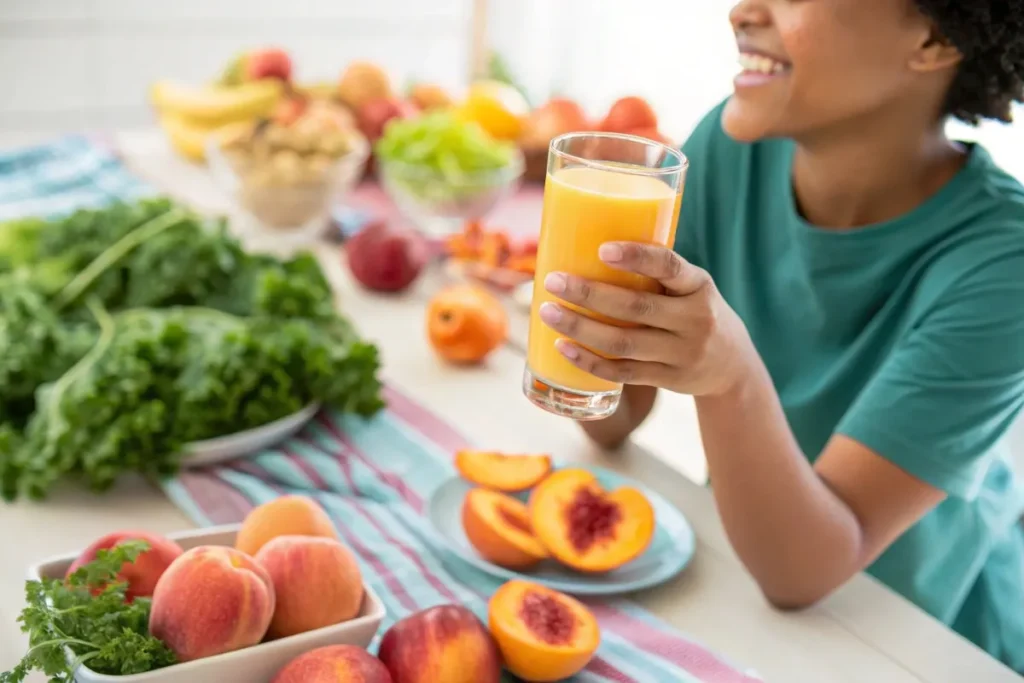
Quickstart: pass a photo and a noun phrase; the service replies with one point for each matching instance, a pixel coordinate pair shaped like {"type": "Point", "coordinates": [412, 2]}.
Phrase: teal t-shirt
{"type": "Point", "coordinates": [907, 336]}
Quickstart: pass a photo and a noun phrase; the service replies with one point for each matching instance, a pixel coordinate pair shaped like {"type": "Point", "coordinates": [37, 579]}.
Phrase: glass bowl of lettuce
{"type": "Point", "coordinates": [442, 171]}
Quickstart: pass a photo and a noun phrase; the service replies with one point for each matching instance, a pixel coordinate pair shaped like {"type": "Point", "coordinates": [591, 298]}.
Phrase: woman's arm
{"type": "Point", "coordinates": [801, 531]}
{"type": "Point", "coordinates": [634, 407]}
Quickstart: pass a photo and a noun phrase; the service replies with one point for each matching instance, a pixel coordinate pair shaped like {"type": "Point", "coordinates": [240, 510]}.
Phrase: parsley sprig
{"type": "Point", "coordinates": [101, 630]}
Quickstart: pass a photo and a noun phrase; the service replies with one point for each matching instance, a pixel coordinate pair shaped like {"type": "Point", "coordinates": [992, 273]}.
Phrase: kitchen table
{"type": "Point", "coordinates": [864, 633]}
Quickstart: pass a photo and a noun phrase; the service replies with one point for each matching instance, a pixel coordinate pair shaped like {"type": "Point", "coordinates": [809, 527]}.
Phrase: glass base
{"type": "Point", "coordinates": [577, 405]}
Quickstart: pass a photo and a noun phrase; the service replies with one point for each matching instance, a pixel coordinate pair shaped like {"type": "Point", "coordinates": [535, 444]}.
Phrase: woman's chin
{"type": "Point", "coordinates": [745, 122]}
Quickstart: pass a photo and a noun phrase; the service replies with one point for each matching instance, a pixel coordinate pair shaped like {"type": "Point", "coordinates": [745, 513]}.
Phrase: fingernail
{"type": "Point", "coordinates": [550, 313]}
{"type": "Point", "coordinates": [555, 283]}
{"type": "Point", "coordinates": [610, 253]}
{"type": "Point", "coordinates": [567, 349]}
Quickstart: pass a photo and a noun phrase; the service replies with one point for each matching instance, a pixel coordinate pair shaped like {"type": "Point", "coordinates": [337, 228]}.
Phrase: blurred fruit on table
{"type": "Point", "coordinates": [442, 170]}
{"type": "Point", "coordinates": [251, 87]}
{"type": "Point", "coordinates": [556, 117]}
{"type": "Point", "coordinates": [287, 169]}
{"type": "Point", "coordinates": [362, 82]}
{"type": "Point", "coordinates": [465, 323]}
{"type": "Point", "coordinates": [374, 115]}
{"type": "Point", "coordinates": [256, 65]}
{"type": "Point", "coordinates": [499, 108]}
{"type": "Point", "coordinates": [427, 96]}
{"type": "Point", "coordinates": [491, 256]}
{"type": "Point", "coordinates": [629, 114]}
{"type": "Point", "coordinates": [383, 257]}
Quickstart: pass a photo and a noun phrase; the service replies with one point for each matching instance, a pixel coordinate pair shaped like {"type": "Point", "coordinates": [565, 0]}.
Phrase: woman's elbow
{"type": "Point", "coordinates": [791, 599]}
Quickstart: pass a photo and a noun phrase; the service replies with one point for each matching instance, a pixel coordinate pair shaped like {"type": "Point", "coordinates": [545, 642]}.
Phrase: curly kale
{"type": "Point", "coordinates": [196, 339]}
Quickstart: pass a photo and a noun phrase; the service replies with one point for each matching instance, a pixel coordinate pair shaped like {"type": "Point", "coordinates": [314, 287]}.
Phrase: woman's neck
{"type": "Point", "coordinates": [849, 179]}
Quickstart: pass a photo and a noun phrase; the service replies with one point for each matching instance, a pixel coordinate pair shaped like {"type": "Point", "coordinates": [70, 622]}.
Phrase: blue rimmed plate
{"type": "Point", "coordinates": [670, 551]}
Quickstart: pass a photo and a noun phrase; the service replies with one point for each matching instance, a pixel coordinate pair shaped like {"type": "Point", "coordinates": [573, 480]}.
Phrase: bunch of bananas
{"type": "Point", "coordinates": [190, 115]}
{"type": "Point", "coordinates": [251, 87]}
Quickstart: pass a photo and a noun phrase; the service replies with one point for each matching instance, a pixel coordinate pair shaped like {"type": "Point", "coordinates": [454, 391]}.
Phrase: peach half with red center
{"type": "Point", "coordinates": [498, 527]}
{"type": "Point", "coordinates": [587, 528]}
{"type": "Point", "coordinates": [502, 472]}
{"type": "Point", "coordinates": [543, 635]}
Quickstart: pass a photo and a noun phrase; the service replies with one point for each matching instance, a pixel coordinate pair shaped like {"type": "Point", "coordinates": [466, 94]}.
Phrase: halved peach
{"type": "Point", "coordinates": [587, 528]}
{"type": "Point", "coordinates": [501, 471]}
{"type": "Point", "coordinates": [543, 635]}
{"type": "Point", "coordinates": [498, 526]}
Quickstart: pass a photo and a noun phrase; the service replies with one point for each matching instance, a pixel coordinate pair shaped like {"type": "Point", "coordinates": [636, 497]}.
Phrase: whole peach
{"type": "Point", "coordinates": [284, 516]}
{"type": "Point", "coordinates": [316, 581]}
{"type": "Point", "coordinates": [334, 664]}
{"type": "Point", "coordinates": [211, 600]}
{"type": "Point", "coordinates": [445, 643]}
{"type": "Point", "coordinates": [142, 574]}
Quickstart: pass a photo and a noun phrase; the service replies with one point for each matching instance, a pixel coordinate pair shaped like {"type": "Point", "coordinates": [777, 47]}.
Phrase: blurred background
{"type": "Point", "coordinates": [74, 64]}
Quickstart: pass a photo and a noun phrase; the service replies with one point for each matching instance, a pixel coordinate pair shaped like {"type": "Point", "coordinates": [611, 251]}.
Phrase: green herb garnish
{"type": "Point", "coordinates": [102, 631]}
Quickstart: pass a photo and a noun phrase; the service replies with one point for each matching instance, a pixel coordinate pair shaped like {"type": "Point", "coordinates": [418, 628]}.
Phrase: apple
{"type": "Point", "coordinates": [268, 63]}
{"type": "Point", "coordinates": [628, 114]}
{"type": "Point", "coordinates": [373, 116]}
{"type": "Point", "coordinates": [556, 117]}
{"type": "Point", "coordinates": [385, 258]}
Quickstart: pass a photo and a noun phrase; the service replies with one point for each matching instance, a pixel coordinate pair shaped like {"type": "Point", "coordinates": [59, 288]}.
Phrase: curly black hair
{"type": "Point", "coordinates": [990, 35]}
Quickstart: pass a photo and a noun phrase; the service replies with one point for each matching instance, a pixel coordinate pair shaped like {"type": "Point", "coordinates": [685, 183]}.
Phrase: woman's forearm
{"type": "Point", "coordinates": [634, 407]}
{"type": "Point", "coordinates": [797, 538]}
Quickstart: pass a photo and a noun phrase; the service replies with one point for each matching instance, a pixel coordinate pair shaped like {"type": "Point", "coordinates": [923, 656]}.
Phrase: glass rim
{"type": "Point", "coordinates": [633, 169]}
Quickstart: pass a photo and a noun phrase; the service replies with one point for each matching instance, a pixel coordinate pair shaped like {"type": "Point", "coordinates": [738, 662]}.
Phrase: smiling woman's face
{"type": "Point", "coordinates": [812, 65]}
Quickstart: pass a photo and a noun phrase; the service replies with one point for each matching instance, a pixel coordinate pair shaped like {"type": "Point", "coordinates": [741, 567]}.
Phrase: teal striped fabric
{"type": "Point", "coordinates": [374, 477]}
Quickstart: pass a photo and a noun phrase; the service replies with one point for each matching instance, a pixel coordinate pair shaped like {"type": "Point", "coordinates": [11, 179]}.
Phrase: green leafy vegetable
{"type": "Point", "coordinates": [439, 157]}
{"type": "Point", "coordinates": [102, 630]}
{"type": "Point", "coordinates": [163, 331]}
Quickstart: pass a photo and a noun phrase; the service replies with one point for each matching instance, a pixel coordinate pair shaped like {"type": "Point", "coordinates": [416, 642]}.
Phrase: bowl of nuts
{"type": "Point", "coordinates": [288, 171]}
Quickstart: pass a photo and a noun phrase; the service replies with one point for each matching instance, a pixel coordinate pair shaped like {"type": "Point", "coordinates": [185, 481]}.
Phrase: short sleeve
{"type": "Point", "coordinates": [951, 389]}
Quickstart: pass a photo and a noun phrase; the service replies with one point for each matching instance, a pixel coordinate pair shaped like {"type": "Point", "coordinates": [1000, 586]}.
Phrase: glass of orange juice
{"type": "Point", "coordinates": [600, 187]}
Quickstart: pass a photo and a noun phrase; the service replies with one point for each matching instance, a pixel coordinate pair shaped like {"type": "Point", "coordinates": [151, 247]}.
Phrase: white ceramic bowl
{"type": "Point", "coordinates": [256, 664]}
{"type": "Point", "coordinates": [223, 448]}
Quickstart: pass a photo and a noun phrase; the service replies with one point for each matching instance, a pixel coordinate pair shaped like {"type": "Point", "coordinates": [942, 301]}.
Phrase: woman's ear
{"type": "Point", "coordinates": [935, 53]}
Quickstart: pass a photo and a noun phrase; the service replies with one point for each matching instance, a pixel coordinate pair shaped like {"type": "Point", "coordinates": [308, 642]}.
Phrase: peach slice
{"type": "Point", "coordinates": [501, 471]}
{"type": "Point", "coordinates": [543, 635]}
{"type": "Point", "coordinates": [587, 528]}
{"type": "Point", "coordinates": [498, 526]}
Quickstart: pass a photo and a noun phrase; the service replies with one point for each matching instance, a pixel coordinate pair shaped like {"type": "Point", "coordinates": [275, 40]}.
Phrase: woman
{"type": "Point", "coordinates": [846, 305]}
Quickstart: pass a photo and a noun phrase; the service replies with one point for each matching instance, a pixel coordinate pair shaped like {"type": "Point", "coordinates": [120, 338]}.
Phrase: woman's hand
{"type": "Point", "coordinates": [689, 340]}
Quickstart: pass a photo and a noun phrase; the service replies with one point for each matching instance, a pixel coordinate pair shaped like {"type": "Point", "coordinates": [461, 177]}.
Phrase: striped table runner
{"type": "Point", "coordinates": [374, 478]}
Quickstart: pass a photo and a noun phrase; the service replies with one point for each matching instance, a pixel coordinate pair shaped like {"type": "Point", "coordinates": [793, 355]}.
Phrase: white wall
{"type": "Point", "coordinates": [680, 54]}
{"type": "Point", "coordinates": [86, 63]}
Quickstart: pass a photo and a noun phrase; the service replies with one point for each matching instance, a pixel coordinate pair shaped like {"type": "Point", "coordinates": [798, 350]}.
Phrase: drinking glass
{"type": "Point", "coordinates": [600, 187]}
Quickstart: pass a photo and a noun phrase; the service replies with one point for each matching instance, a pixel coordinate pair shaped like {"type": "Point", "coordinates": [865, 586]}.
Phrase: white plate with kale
{"type": "Point", "coordinates": [225, 448]}
{"type": "Point", "coordinates": [141, 336]}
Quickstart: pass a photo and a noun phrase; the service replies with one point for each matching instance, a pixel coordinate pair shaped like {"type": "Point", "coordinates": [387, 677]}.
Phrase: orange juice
{"type": "Point", "coordinates": [584, 207]}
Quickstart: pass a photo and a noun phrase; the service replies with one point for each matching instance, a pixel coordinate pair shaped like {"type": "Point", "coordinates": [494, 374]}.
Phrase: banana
{"type": "Point", "coordinates": [213, 105]}
{"type": "Point", "coordinates": [186, 138]}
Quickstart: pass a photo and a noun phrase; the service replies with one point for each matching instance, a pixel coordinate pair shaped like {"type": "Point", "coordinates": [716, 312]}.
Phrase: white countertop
{"type": "Point", "coordinates": [863, 633]}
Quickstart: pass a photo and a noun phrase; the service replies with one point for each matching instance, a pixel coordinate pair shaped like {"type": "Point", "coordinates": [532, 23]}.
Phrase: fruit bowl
{"type": "Point", "coordinates": [256, 663]}
{"type": "Point", "coordinates": [288, 196]}
{"type": "Point", "coordinates": [441, 204]}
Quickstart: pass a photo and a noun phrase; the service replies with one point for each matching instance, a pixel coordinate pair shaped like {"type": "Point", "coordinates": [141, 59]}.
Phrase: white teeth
{"type": "Point", "coordinates": [760, 64]}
